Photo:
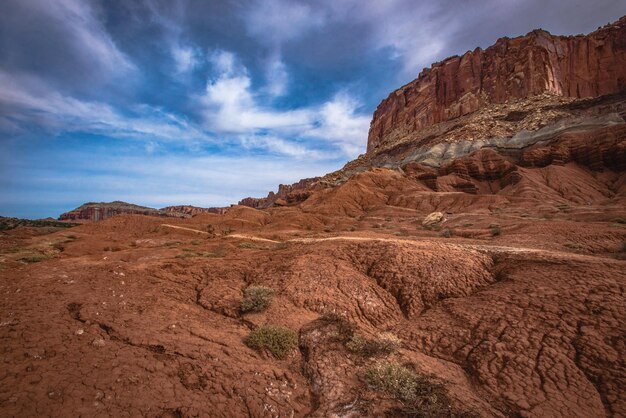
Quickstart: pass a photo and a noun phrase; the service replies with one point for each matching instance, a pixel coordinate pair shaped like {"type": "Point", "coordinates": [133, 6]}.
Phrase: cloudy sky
{"type": "Point", "coordinates": [205, 102]}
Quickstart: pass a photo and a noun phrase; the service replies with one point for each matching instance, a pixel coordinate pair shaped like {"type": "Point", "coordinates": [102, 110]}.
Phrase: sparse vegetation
{"type": "Point", "coordinates": [189, 254]}
{"type": "Point", "coordinates": [276, 339]}
{"type": "Point", "coordinates": [34, 258]}
{"type": "Point", "coordinates": [495, 230]}
{"type": "Point", "coordinates": [384, 344]}
{"type": "Point", "coordinates": [394, 379]}
{"type": "Point", "coordinates": [247, 245]}
{"type": "Point", "coordinates": [421, 396]}
{"type": "Point", "coordinates": [12, 223]}
{"type": "Point", "coordinates": [619, 221]}
{"type": "Point", "coordinates": [447, 232]}
{"type": "Point", "coordinates": [256, 299]}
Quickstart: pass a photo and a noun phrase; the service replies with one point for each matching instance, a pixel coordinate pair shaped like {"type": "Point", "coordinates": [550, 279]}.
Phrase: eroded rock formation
{"type": "Point", "coordinates": [286, 194]}
{"type": "Point", "coordinates": [518, 68]}
{"type": "Point", "coordinates": [93, 211]}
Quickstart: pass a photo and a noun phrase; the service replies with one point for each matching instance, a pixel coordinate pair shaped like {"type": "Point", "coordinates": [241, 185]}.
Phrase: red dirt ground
{"type": "Point", "coordinates": [139, 316]}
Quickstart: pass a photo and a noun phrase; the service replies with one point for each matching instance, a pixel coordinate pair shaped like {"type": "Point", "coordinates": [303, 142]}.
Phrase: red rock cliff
{"type": "Point", "coordinates": [537, 63]}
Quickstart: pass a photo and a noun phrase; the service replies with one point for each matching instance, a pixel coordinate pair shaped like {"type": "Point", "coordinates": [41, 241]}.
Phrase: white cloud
{"type": "Point", "coordinates": [85, 32]}
{"type": "Point", "coordinates": [340, 123]}
{"type": "Point", "coordinates": [185, 58]}
{"type": "Point", "coordinates": [277, 77]}
{"type": "Point", "coordinates": [232, 107]}
{"type": "Point", "coordinates": [28, 102]}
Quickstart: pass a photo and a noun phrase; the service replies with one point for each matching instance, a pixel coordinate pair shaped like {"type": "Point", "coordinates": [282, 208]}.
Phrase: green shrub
{"type": "Point", "coordinates": [420, 395]}
{"type": "Point", "coordinates": [256, 299]}
{"type": "Point", "coordinates": [277, 340]}
{"type": "Point", "coordinates": [394, 379]}
{"type": "Point", "coordinates": [384, 344]}
{"type": "Point", "coordinates": [495, 231]}
{"type": "Point", "coordinates": [34, 258]}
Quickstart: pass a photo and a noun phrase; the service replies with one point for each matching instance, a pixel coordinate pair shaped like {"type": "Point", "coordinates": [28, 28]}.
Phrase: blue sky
{"type": "Point", "coordinates": [206, 102]}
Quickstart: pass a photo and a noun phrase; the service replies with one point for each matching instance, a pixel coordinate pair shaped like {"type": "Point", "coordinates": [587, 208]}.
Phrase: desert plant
{"type": "Point", "coordinates": [394, 379]}
{"type": "Point", "coordinates": [384, 344]}
{"type": "Point", "coordinates": [276, 339]}
{"type": "Point", "coordinates": [248, 245]}
{"type": "Point", "coordinates": [420, 395]}
{"type": "Point", "coordinates": [619, 220]}
{"type": "Point", "coordinates": [34, 258]}
{"type": "Point", "coordinates": [256, 298]}
{"type": "Point", "coordinates": [495, 230]}
{"type": "Point", "coordinates": [447, 233]}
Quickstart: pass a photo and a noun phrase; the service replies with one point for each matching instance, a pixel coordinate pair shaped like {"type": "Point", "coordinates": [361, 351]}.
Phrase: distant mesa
{"type": "Point", "coordinates": [93, 211]}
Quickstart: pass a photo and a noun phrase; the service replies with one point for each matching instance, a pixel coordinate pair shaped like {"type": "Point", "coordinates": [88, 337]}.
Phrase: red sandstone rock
{"type": "Point", "coordinates": [192, 210]}
{"type": "Point", "coordinates": [287, 194]}
{"type": "Point", "coordinates": [569, 66]}
{"type": "Point", "coordinates": [98, 211]}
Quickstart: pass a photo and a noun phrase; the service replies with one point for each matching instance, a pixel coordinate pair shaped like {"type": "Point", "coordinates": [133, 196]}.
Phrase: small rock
{"type": "Point", "coordinates": [432, 219]}
{"type": "Point", "coordinates": [98, 342]}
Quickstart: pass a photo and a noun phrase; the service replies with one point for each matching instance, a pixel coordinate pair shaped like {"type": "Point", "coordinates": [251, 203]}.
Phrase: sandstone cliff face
{"type": "Point", "coordinates": [534, 64]}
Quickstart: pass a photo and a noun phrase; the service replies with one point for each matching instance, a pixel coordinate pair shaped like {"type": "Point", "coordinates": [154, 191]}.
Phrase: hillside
{"type": "Point", "coordinates": [472, 263]}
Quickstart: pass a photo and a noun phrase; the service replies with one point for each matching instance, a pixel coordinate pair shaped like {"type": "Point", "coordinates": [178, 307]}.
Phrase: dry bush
{"type": "Point", "coordinates": [256, 299]}
{"type": "Point", "coordinates": [277, 340]}
{"type": "Point", "coordinates": [420, 395]}
{"type": "Point", "coordinates": [385, 343]}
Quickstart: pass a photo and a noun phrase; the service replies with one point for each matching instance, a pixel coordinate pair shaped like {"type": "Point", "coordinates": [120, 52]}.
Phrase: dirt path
{"type": "Point", "coordinates": [253, 238]}
{"type": "Point", "coordinates": [186, 229]}
{"type": "Point", "coordinates": [488, 248]}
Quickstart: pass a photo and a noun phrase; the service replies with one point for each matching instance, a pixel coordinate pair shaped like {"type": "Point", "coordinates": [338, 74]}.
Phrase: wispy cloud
{"type": "Point", "coordinates": [28, 101]}
{"type": "Point", "coordinates": [232, 107]}
{"type": "Point", "coordinates": [186, 58]}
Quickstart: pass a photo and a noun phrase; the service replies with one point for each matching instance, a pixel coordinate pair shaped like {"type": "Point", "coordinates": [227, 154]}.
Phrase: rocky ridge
{"type": "Point", "coordinates": [564, 67]}
{"type": "Point", "coordinates": [94, 211]}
